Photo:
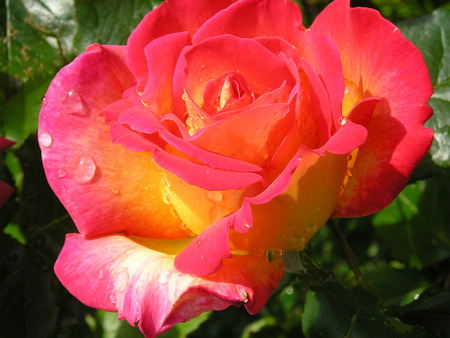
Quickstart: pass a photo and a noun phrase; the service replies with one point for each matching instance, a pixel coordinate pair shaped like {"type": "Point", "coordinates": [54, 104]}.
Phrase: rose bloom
{"type": "Point", "coordinates": [223, 134]}
{"type": "Point", "coordinates": [5, 189]}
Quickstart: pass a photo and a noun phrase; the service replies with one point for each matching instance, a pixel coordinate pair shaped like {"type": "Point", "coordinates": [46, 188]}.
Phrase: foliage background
{"type": "Point", "coordinates": [402, 252]}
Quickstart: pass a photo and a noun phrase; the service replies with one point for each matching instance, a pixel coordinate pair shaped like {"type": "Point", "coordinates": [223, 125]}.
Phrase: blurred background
{"type": "Point", "coordinates": [385, 275]}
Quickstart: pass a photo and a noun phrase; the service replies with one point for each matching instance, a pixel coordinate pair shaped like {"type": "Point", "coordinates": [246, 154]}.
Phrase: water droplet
{"type": "Point", "coordinates": [100, 274]}
{"type": "Point", "coordinates": [349, 157]}
{"type": "Point", "coordinates": [45, 140]}
{"type": "Point", "coordinates": [183, 226]}
{"type": "Point", "coordinates": [198, 243]}
{"type": "Point", "coordinates": [44, 102]}
{"type": "Point", "coordinates": [121, 281]}
{"type": "Point", "coordinates": [73, 104]}
{"type": "Point", "coordinates": [112, 298]}
{"type": "Point", "coordinates": [350, 172]}
{"type": "Point", "coordinates": [200, 79]}
{"type": "Point", "coordinates": [342, 120]}
{"type": "Point", "coordinates": [214, 196]}
{"type": "Point", "coordinates": [84, 170]}
{"type": "Point", "coordinates": [201, 257]}
{"type": "Point", "coordinates": [289, 290]}
{"type": "Point", "coordinates": [166, 197]}
{"type": "Point", "coordinates": [61, 173]}
{"type": "Point", "coordinates": [115, 191]}
{"type": "Point", "coordinates": [202, 66]}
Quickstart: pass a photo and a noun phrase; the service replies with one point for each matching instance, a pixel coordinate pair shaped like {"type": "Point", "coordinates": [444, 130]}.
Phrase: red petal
{"type": "Point", "coordinates": [169, 17]}
{"type": "Point", "coordinates": [254, 18]}
{"type": "Point", "coordinates": [212, 58]}
{"type": "Point", "coordinates": [379, 61]}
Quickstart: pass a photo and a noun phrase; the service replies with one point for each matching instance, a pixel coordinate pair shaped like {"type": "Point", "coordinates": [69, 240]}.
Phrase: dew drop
{"type": "Point", "coordinates": [61, 173]}
{"type": "Point", "coordinates": [183, 226]}
{"type": "Point", "coordinates": [349, 172]}
{"type": "Point", "coordinates": [84, 170]}
{"type": "Point", "coordinates": [121, 281]}
{"type": "Point", "coordinates": [200, 79]}
{"type": "Point", "coordinates": [201, 257]}
{"type": "Point", "coordinates": [73, 104]}
{"type": "Point", "coordinates": [112, 299]}
{"type": "Point", "coordinates": [45, 140]}
{"type": "Point", "coordinates": [342, 120]}
{"type": "Point", "coordinates": [166, 197]}
{"type": "Point", "coordinates": [349, 157]}
{"type": "Point", "coordinates": [198, 243]}
{"type": "Point", "coordinates": [100, 274]}
{"type": "Point", "coordinates": [44, 102]}
{"type": "Point", "coordinates": [214, 196]}
{"type": "Point", "coordinates": [202, 66]}
{"type": "Point", "coordinates": [115, 191]}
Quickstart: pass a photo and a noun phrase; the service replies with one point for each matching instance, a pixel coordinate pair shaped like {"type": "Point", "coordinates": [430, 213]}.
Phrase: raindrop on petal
{"type": "Point", "coordinates": [73, 104]}
{"type": "Point", "coordinates": [198, 243]}
{"type": "Point", "coordinates": [342, 120]}
{"type": "Point", "coordinates": [45, 140]}
{"type": "Point", "coordinates": [121, 281]}
{"type": "Point", "coordinates": [84, 170]}
{"type": "Point", "coordinates": [61, 173]}
{"type": "Point", "coordinates": [112, 298]}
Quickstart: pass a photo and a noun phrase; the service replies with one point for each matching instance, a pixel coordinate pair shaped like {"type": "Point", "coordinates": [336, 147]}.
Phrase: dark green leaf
{"type": "Point", "coordinates": [32, 51]}
{"type": "Point", "coordinates": [21, 112]}
{"type": "Point", "coordinates": [332, 310]}
{"type": "Point", "coordinates": [108, 22]}
{"type": "Point", "coordinates": [415, 225]}
{"type": "Point", "coordinates": [431, 311]}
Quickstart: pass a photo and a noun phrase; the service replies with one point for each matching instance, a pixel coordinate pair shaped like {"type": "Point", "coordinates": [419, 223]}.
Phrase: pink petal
{"type": "Point", "coordinates": [120, 188]}
{"type": "Point", "coordinates": [379, 61]}
{"type": "Point", "coordinates": [137, 278]}
{"type": "Point", "coordinates": [162, 55]}
{"type": "Point", "coordinates": [203, 176]}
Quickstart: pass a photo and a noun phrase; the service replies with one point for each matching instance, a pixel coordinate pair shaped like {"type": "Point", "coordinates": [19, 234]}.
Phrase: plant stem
{"type": "Point", "coordinates": [339, 236]}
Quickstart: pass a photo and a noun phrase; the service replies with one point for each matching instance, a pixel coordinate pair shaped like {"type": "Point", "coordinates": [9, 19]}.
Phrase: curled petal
{"type": "Point", "coordinates": [137, 279]}
{"type": "Point", "coordinates": [378, 61]}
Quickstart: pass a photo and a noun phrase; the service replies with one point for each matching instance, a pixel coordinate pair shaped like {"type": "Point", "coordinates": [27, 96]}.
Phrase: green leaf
{"type": "Point", "coordinates": [21, 111]}
{"type": "Point", "coordinates": [108, 22]}
{"type": "Point", "coordinates": [431, 311]}
{"type": "Point", "coordinates": [32, 51]}
{"type": "Point", "coordinates": [395, 286]}
{"type": "Point", "coordinates": [415, 225]}
{"type": "Point", "coordinates": [431, 34]}
{"type": "Point", "coordinates": [334, 311]}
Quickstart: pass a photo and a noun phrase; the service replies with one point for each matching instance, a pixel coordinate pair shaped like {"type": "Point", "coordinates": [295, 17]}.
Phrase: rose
{"type": "Point", "coordinates": [5, 189]}
{"type": "Point", "coordinates": [222, 134]}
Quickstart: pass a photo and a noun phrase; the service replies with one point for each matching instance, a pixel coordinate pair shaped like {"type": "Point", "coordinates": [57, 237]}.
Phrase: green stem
{"type": "Point", "coordinates": [339, 236]}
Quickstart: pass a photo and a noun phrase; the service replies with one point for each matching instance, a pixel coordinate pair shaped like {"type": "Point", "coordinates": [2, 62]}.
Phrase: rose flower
{"type": "Point", "coordinates": [223, 134]}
